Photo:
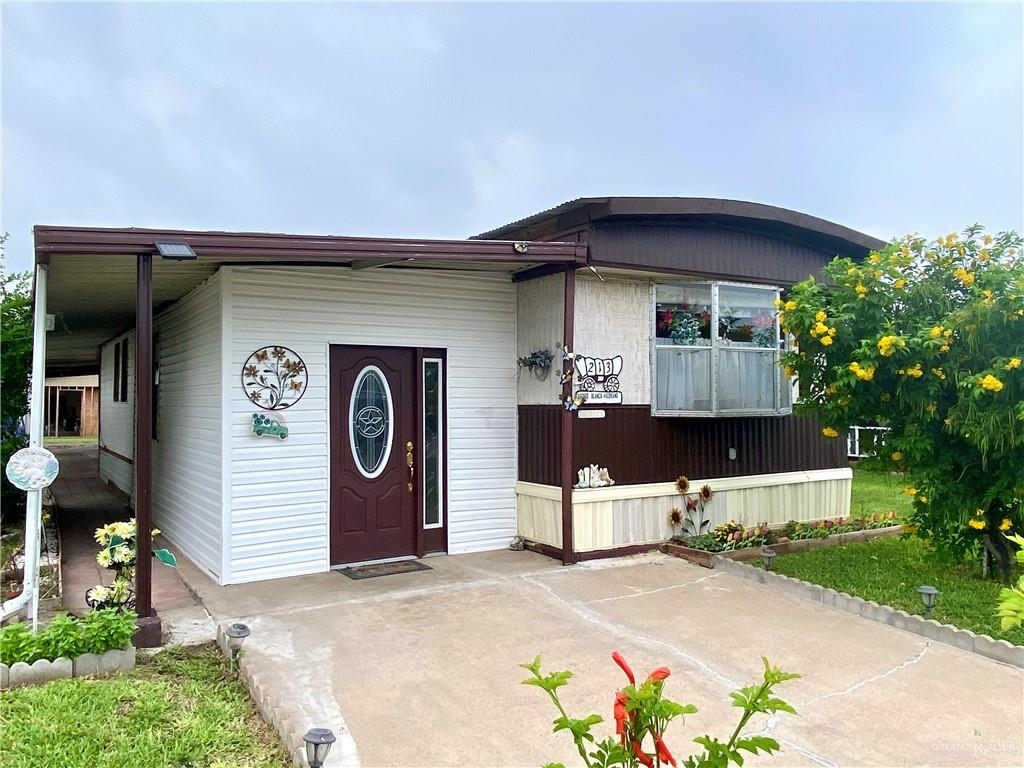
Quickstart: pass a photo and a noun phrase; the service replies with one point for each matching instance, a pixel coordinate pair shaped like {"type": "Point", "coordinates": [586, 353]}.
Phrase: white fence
{"type": "Point", "coordinates": [862, 442]}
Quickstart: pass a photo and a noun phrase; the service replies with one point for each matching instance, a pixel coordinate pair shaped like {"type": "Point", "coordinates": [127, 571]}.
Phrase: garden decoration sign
{"type": "Point", "coordinates": [597, 379]}
{"type": "Point", "coordinates": [32, 469]}
{"type": "Point", "coordinates": [274, 378]}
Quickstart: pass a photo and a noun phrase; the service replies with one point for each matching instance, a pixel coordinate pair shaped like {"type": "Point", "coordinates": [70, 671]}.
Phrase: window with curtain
{"type": "Point", "coordinates": [716, 351]}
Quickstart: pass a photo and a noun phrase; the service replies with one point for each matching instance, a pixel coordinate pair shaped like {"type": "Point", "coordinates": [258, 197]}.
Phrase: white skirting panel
{"type": "Point", "coordinates": [605, 518]}
{"type": "Point", "coordinates": [539, 511]}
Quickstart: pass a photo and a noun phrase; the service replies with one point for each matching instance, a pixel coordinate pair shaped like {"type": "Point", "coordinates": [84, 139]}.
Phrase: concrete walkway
{"type": "Point", "coordinates": [421, 669]}
{"type": "Point", "coordinates": [85, 503]}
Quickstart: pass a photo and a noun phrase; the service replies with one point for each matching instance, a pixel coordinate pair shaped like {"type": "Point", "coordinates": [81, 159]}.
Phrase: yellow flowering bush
{"type": "Point", "coordinates": [930, 345]}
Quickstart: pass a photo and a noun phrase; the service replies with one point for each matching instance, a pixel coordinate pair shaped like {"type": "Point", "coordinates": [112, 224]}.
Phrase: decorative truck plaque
{"type": "Point", "coordinates": [597, 379]}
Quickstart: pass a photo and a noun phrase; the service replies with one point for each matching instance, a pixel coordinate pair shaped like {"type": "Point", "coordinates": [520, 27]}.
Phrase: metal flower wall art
{"type": "Point", "coordinates": [274, 378]}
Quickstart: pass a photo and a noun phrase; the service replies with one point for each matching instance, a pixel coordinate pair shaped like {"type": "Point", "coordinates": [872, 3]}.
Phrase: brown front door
{"type": "Point", "coordinates": [373, 433]}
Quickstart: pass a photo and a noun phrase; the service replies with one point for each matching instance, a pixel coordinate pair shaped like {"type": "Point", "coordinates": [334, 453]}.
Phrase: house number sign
{"type": "Point", "coordinates": [597, 379]}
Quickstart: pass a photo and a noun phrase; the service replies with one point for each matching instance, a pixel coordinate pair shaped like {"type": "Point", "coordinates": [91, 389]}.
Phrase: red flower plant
{"type": "Point", "coordinates": [642, 714]}
{"type": "Point", "coordinates": [617, 658]}
{"type": "Point", "coordinates": [658, 675]}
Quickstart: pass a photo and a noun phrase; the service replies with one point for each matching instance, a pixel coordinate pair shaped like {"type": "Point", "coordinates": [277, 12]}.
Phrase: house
{"type": "Point", "coordinates": [401, 390]}
{"type": "Point", "coordinates": [72, 406]}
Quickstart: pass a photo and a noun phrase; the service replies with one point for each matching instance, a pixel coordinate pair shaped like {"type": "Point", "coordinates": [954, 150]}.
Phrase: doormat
{"type": "Point", "coordinates": [384, 569]}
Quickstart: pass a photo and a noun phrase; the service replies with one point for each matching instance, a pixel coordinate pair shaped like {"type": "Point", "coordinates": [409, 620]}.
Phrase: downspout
{"type": "Point", "coordinates": [34, 503]}
{"type": "Point", "coordinates": [567, 470]}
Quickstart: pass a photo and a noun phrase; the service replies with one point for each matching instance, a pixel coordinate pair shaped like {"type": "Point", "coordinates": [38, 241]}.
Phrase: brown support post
{"type": "Point", "coordinates": [567, 471]}
{"type": "Point", "coordinates": [148, 635]}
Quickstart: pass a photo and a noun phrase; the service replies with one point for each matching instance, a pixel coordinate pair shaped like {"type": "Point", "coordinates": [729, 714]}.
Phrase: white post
{"type": "Point", "coordinates": [37, 413]}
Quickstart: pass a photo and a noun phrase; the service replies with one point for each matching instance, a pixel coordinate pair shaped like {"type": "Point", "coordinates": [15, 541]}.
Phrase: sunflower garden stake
{"type": "Point", "coordinates": [117, 542]}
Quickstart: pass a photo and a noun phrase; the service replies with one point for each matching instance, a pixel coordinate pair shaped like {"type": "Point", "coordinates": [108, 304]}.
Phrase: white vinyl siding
{"type": "Point", "coordinates": [117, 419]}
{"type": "Point", "coordinates": [279, 489]}
{"type": "Point", "coordinates": [187, 456]}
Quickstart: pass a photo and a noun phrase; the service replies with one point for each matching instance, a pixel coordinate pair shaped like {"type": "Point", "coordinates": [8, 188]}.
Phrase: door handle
{"type": "Point", "coordinates": [410, 463]}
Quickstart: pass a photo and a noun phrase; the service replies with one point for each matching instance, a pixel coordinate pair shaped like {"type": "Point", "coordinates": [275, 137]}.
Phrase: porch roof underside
{"type": "Point", "coordinates": [92, 271]}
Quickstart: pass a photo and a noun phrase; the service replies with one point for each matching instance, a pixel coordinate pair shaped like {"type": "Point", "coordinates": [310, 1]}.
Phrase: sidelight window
{"type": "Point", "coordinates": [716, 350]}
{"type": "Point", "coordinates": [433, 443]}
{"type": "Point", "coordinates": [371, 422]}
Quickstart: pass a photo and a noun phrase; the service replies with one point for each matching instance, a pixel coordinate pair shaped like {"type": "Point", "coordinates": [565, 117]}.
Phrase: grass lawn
{"type": "Point", "coordinates": [890, 570]}
{"type": "Point", "coordinates": [179, 707]}
{"type": "Point", "coordinates": [877, 492]}
{"type": "Point", "coordinates": [69, 440]}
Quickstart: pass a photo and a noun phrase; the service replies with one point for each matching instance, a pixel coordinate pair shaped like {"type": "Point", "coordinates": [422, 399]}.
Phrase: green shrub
{"type": "Point", "coordinates": [107, 628]}
{"type": "Point", "coordinates": [18, 643]}
{"type": "Point", "coordinates": [63, 637]}
{"type": "Point", "coordinates": [99, 632]}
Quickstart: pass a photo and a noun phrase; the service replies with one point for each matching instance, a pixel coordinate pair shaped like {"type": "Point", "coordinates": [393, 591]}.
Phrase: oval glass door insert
{"type": "Point", "coordinates": [371, 421]}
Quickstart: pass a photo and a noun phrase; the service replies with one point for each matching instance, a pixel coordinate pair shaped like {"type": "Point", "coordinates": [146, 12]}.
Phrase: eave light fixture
{"type": "Point", "coordinates": [174, 250]}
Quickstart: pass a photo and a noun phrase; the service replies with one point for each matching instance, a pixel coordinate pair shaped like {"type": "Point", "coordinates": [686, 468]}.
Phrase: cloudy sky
{"type": "Point", "coordinates": [446, 120]}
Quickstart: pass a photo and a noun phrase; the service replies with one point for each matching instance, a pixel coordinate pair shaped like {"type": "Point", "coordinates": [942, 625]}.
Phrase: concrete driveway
{"type": "Point", "coordinates": [420, 669]}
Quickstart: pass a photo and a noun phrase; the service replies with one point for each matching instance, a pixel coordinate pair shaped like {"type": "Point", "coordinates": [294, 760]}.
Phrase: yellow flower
{"type": "Point", "coordinates": [939, 374]}
{"type": "Point", "coordinates": [851, 271]}
{"type": "Point", "coordinates": [829, 432]}
{"type": "Point", "coordinates": [887, 345]}
{"type": "Point", "coordinates": [1014, 363]}
{"type": "Point", "coordinates": [976, 524]}
{"type": "Point", "coordinates": [936, 331]}
{"type": "Point", "coordinates": [923, 499]}
{"type": "Point", "coordinates": [788, 372]}
{"type": "Point", "coordinates": [777, 303]}
{"type": "Point", "coordinates": [861, 290]}
{"type": "Point", "coordinates": [820, 316]}
{"type": "Point", "coordinates": [951, 238]}
{"type": "Point", "coordinates": [877, 274]}
{"type": "Point", "coordinates": [991, 383]}
{"type": "Point", "coordinates": [874, 258]}
{"type": "Point", "coordinates": [826, 341]}
{"type": "Point", "coordinates": [986, 239]}
{"type": "Point", "coordinates": [790, 305]}
{"type": "Point", "coordinates": [931, 407]}
{"type": "Point", "coordinates": [831, 331]}
{"type": "Point", "coordinates": [947, 333]}
{"type": "Point", "coordinates": [900, 282]}
{"type": "Point", "coordinates": [915, 371]}
{"type": "Point", "coordinates": [864, 374]}
{"type": "Point", "coordinates": [818, 329]}
{"type": "Point", "coordinates": [965, 277]}
{"type": "Point", "coordinates": [910, 491]}
{"type": "Point", "coordinates": [897, 456]}
{"type": "Point", "coordinates": [984, 255]}
{"type": "Point", "coordinates": [1006, 524]}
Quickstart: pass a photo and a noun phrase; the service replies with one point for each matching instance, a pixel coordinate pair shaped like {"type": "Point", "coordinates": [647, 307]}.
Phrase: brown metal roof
{"type": "Point", "coordinates": [253, 246]}
{"type": "Point", "coordinates": [768, 219]}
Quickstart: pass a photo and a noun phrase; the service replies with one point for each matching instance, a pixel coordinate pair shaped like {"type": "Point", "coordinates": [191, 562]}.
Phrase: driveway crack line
{"type": "Point", "coordinates": [642, 593]}
{"type": "Point", "coordinates": [613, 626]}
{"type": "Point", "coordinates": [874, 678]}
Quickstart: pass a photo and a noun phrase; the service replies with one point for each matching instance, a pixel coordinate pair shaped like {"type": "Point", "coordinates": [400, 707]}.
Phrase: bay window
{"type": "Point", "coordinates": [715, 351]}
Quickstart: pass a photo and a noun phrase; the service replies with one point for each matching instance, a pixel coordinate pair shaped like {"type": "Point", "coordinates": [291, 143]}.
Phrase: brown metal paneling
{"type": "Point", "coordinates": [639, 448]}
{"type": "Point", "coordinates": [540, 444]}
{"type": "Point", "coordinates": [705, 251]}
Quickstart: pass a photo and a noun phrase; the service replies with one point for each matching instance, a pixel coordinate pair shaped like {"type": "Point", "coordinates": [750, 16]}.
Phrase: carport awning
{"type": "Point", "coordinates": [91, 282]}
